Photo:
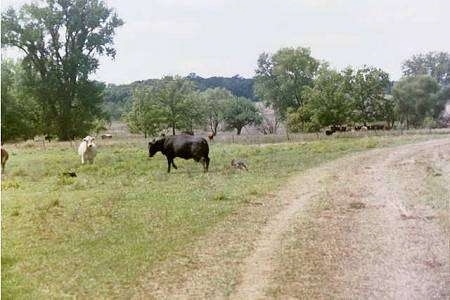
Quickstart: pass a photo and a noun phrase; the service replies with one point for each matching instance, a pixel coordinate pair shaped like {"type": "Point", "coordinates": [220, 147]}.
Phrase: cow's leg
{"type": "Point", "coordinates": [202, 161]}
{"type": "Point", "coordinates": [82, 159]}
{"type": "Point", "coordinates": [206, 164]}
{"type": "Point", "coordinates": [173, 164]}
{"type": "Point", "coordinates": [169, 163]}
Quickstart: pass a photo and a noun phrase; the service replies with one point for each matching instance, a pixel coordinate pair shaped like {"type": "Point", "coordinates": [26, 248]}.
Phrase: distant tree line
{"type": "Point", "coordinates": [118, 98]}
{"type": "Point", "coordinates": [237, 85]}
{"type": "Point", "coordinates": [308, 95]}
{"type": "Point", "coordinates": [176, 104]}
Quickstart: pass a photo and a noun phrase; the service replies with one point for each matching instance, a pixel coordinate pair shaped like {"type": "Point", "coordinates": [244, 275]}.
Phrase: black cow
{"type": "Point", "coordinates": [48, 137]}
{"type": "Point", "coordinates": [329, 131]}
{"type": "Point", "coordinates": [184, 146]}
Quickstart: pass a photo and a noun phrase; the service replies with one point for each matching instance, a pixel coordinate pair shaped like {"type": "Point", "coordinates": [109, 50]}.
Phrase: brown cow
{"type": "Point", "coordinates": [210, 136]}
{"type": "Point", "coordinates": [5, 157]}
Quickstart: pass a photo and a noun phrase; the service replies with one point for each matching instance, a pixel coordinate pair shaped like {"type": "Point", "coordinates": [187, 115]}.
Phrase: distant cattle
{"type": "Point", "coordinates": [340, 128]}
{"type": "Point", "coordinates": [329, 131]}
{"type": "Point", "coordinates": [210, 136]}
{"type": "Point", "coordinates": [376, 127]}
{"type": "Point", "coordinates": [106, 136]}
{"type": "Point", "coordinates": [48, 137]}
{"type": "Point", "coordinates": [183, 146]}
{"type": "Point", "coordinates": [4, 157]}
{"type": "Point", "coordinates": [87, 150]}
{"type": "Point", "coordinates": [336, 128]}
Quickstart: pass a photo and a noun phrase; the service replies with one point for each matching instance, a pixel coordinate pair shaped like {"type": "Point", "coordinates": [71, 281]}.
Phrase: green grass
{"type": "Point", "coordinates": [95, 235]}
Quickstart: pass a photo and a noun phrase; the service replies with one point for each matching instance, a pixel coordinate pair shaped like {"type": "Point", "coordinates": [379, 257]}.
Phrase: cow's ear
{"type": "Point", "coordinates": [154, 140]}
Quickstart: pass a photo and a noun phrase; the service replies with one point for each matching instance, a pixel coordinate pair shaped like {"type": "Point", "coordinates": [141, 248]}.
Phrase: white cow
{"type": "Point", "coordinates": [87, 149]}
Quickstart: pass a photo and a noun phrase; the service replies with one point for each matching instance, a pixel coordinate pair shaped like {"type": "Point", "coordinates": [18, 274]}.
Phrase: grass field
{"type": "Point", "coordinates": [95, 235]}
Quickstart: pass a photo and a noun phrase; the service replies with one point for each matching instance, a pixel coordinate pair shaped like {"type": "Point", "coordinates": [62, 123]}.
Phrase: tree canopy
{"type": "Point", "coordinates": [170, 103]}
{"type": "Point", "coordinates": [367, 87]}
{"type": "Point", "coordinates": [216, 102]}
{"type": "Point", "coordinates": [434, 64]}
{"type": "Point", "coordinates": [62, 42]}
{"type": "Point", "coordinates": [240, 113]}
{"type": "Point", "coordinates": [21, 114]}
{"type": "Point", "coordinates": [237, 85]}
{"type": "Point", "coordinates": [282, 77]}
{"type": "Point", "coordinates": [329, 101]}
{"type": "Point", "coordinates": [416, 97]}
{"type": "Point", "coordinates": [340, 98]}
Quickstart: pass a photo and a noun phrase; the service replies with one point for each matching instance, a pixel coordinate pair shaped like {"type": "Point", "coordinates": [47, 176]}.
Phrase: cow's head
{"type": "Point", "coordinates": [152, 148]}
{"type": "Point", "coordinates": [89, 140]}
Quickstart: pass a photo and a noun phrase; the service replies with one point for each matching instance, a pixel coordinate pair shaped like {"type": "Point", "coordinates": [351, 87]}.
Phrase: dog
{"type": "Point", "coordinates": [239, 164]}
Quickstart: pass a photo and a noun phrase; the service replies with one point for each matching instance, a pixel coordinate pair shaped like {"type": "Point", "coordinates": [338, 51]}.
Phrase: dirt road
{"type": "Point", "coordinates": [371, 225]}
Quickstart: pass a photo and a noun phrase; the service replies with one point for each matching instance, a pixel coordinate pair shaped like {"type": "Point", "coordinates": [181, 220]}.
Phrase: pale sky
{"type": "Point", "coordinates": [225, 37]}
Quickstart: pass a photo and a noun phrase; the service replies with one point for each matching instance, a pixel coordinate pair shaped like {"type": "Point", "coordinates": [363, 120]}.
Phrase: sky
{"type": "Point", "coordinates": [225, 37]}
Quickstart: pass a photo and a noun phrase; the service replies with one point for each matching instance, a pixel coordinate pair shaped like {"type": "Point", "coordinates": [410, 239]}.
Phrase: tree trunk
{"type": "Point", "coordinates": [239, 129]}
{"type": "Point", "coordinates": [66, 126]}
{"type": "Point", "coordinates": [64, 131]}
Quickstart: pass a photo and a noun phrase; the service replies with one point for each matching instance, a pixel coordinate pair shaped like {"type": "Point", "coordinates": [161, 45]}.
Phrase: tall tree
{"type": "Point", "coordinates": [176, 96]}
{"type": "Point", "coordinates": [329, 101]}
{"type": "Point", "coordinates": [62, 41]}
{"type": "Point", "coordinates": [442, 100]}
{"type": "Point", "coordinates": [368, 86]}
{"type": "Point", "coordinates": [386, 110]}
{"type": "Point", "coordinates": [21, 115]}
{"type": "Point", "coordinates": [170, 103]}
{"type": "Point", "coordinates": [416, 98]}
{"type": "Point", "coordinates": [240, 113]}
{"type": "Point", "coordinates": [435, 64]}
{"type": "Point", "coordinates": [146, 115]}
{"type": "Point", "coordinates": [281, 78]}
{"type": "Point", "coordinates": [217, 101]}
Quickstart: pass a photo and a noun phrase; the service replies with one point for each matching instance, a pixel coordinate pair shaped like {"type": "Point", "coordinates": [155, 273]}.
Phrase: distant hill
{"type": "Point", "coordinates": [239, 86]}
{"type": "Point", "coordinates": [118, 97]}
